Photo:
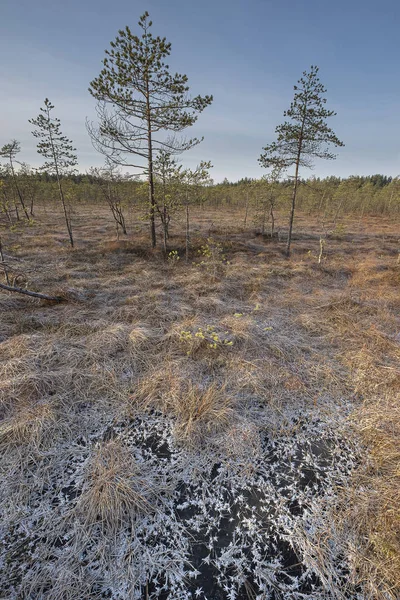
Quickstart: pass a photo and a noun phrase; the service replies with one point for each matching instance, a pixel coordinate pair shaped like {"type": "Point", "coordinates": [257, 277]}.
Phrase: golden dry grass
{"type": "Point", "coordinates": [29, 426]}
{"type": "Point", "coordinates": [364, 323]}
{"type": "Point", "coordinates": [199, 412]}
{"type": "Point", "coordinates": [375, 511]}
{"type": "Point", "coordinates": [288, 332]}
{"type": "Point", "coordinates": [114, 491]}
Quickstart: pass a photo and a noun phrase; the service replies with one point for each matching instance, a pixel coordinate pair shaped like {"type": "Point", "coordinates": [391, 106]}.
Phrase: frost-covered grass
{"type": "Point", "coordinates": [197, 431]}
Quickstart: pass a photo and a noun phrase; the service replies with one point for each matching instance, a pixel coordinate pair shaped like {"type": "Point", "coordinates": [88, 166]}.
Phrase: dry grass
{"type": "Point", "coordinates": [364, 323]}
{"type": "Point", "coordinates": [289, 333]}
{"type": "Point", "coordinates": [375, 512]}
{"type": "Point", "coordinates": [29, 426]}
{"type": "Point", "coordinates": [199, 413]}
{"type": "Point", "coordinates": [114, 491]}
{"type": "Point", "coordinates": [199, 410]}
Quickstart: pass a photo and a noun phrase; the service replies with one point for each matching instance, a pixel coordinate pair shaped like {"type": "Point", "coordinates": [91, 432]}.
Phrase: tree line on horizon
{"type": "Point", "coordinates": [143, 112]}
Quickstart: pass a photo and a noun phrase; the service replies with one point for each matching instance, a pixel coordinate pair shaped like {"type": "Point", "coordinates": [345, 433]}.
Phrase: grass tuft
{"type": "Point", "coordinates": [114, 490]}
{"type": "Point", "coordinates": [31, 426]}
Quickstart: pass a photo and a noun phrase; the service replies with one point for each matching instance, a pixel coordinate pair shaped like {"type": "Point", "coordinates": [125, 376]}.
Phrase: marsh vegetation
{"type": "Point", "coordinates": [226, 428]}
{"type": "Point", "coordinates": [199, 381]}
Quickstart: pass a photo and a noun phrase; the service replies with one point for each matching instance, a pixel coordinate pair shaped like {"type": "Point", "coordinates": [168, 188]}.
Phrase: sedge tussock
{"type": "Point", "coordinates": [141, 335]}
{"type": "Point", "coordinates": [199, 412]}
{"type": "Point", "coordinates": [151, 390]}
{"type": "Point", "coordinates": [25, 387]}
{"type": "Point", "coordinates": [377, 274]}
{"type": "Point", "coordinates": [114, 491]}
{"type": "Point", "coordinates": [110, 341]}
{"type": "Point", "coordinates": [371, 373]}
{"type": "Point", "coordinates": [30, 426]}
{"type": "Point", "coordinates": [14, 348]}
{"type": "Point", "coordinates": [255, 379]}
{"type": "Point", "coordinates": [346, 313]}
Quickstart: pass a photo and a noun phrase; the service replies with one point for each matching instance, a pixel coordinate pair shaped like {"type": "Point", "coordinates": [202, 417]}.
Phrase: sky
{"type": "Point", "coordinates": [247, 53]}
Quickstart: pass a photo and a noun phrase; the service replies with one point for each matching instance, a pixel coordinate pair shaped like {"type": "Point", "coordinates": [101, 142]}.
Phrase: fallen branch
{"type": "Point", "coordinates": [10, 288]}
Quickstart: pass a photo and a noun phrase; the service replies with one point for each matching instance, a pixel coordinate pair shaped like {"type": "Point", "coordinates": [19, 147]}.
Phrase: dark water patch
{"type": "Point", "coordinates": [220, 531]}
{"type": "Point", "coordinates": [70, 492]}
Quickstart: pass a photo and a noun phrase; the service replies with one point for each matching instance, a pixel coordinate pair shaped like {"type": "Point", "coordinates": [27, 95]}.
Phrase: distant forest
{"type": "Point", "coordinates": [330, 196]}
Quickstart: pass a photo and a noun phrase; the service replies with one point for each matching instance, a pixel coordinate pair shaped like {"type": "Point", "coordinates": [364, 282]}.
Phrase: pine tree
{"type": "Point", "coordinates": [10, 152]}
{"type": "Point", "coordinates": [148, 105]}
{"type": "Point", "coordinates": [304, 137]}
{"type": "Point", "coordinates": [58, 151]}
{"type": "Point", "coordinates": [168, 176]}
{"type": "Point", "coordinates": [192, 183]}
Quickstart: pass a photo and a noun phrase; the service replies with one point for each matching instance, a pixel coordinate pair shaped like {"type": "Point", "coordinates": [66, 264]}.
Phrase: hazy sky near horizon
{"type": "Point", "coordinates": [248, 54]}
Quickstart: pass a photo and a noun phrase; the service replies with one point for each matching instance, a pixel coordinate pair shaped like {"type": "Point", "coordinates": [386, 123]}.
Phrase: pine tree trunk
{"type": "Point", "coordinates": [7, 213]}
{"type": "Point", "coordinates": [263, 220]}
{"type": "Point", "coordinates": [56, 167]}
{"type": "Point", "coordinates": [16, 211]}
{"type": "Point", "coordinates": [272, 221]}
{"type": "Point", "coordinates": [123, 225]}
{"type": "Point", "coordinates": [20, 196]}
{"type": "Point", "coordinates": [3, 263]}
{"type": "Point", "coordinates": [151, 196]}
{"type": "Point", "coordinates": [165, 230]}
{"type": "Point", "coordinates": [187, 234]}
{"type": "Point", "coordinates": [67, 219]}
{"type": "Point", "coordinates": [294, 193]}
{"type": "Point", "coordinates": [321, 201]}
{"type": "Point", "coordinates": [152, 200]}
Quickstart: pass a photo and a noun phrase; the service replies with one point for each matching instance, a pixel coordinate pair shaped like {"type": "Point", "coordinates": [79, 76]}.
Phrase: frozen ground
{"type": "Point", "coordinates": [110, 487]}
{"type": "Point", "coordinates": [239, 518]}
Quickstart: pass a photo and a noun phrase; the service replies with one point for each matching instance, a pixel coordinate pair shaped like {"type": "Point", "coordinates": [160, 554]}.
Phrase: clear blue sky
{"type": "Point", "coordinates": [248, 54]}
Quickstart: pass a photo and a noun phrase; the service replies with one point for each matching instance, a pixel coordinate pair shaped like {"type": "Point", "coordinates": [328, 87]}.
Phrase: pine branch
{"type": "Point", "coordinates": [19, 290]}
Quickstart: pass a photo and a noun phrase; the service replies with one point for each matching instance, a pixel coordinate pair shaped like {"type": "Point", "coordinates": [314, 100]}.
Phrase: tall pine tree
{"type": "Point", "coordinates": [304, 136]}
{"type": "Point", "coordinates": [58, 151]}
{"type": "Point", "coordinates": [141, 106]}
